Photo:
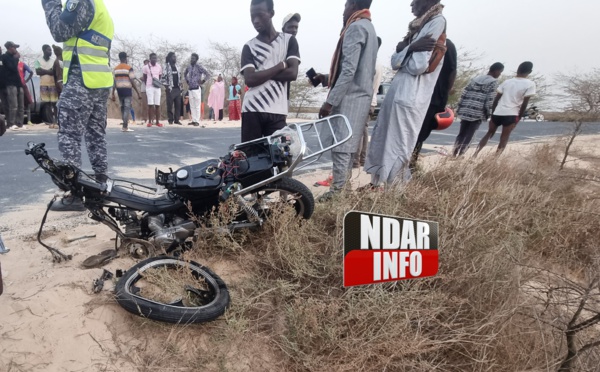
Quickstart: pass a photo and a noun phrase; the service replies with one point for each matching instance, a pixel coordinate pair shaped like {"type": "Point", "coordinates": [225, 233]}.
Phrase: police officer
{"type": "Point", "coordinates": [87, 30]}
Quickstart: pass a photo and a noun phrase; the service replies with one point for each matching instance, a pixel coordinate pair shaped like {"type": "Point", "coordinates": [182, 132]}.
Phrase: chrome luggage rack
{"type": "Point", "coordinates": [326, 140]}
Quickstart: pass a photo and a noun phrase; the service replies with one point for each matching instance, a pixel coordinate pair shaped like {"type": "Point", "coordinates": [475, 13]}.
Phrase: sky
{"type": "Point", "coordinates": [507, 31]}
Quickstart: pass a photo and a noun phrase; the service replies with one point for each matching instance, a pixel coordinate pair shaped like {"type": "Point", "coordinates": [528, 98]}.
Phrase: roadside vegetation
{"type": "Point", "coordinates": [518, 287]}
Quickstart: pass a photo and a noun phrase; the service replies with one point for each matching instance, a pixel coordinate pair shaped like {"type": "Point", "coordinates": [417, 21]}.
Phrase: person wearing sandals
{"type": "Point", "coordinates": [152, 75]}
{"type": "Point", "coordinates": [44, 67]}
{"type": "Point", "coordinates": [195, 76]}
{"type": "Point", "coordinates": [406, 103]}
{"type": "Point", "coordinates": [351, 86]}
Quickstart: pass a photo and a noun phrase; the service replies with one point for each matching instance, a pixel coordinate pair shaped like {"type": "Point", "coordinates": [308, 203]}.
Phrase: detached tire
{"type": "Point", "coordinates": [214, 300]}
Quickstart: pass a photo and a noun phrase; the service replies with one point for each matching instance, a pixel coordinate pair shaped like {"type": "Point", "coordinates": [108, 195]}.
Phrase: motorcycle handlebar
{"type": "Point", "coordinates": [37, 150]}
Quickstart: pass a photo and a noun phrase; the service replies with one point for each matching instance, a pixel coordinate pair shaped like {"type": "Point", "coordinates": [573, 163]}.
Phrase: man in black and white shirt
{"type": "Point", "coordinates": [269, 63]}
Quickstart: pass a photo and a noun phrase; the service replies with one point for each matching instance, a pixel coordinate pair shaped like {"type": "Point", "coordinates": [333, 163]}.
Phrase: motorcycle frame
{"type": "Point", "coordinates": [97, 212]}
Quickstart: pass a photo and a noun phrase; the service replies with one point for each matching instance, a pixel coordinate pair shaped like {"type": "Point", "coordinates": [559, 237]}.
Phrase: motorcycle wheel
{"type": "Point", "coordinates": [287, 190]}
{"type": "Point", "coordinates": [539, 117]}
{"type": "Point", "coordinates": [171, 290]}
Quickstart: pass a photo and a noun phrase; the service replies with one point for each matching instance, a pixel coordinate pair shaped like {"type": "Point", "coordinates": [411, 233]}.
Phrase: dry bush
{"type": "Point", "coordinates": [493, 216]}
{"type": "Point", "coordinates": [497, 219]}
{"type": "Point", "coordinates": [570, 116]}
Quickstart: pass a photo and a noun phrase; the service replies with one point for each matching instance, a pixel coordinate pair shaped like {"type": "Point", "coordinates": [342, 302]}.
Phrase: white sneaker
{"type": "Point", "coordinates": [14, 127]}
{"type": "Point", "coordinates": [127, 130]}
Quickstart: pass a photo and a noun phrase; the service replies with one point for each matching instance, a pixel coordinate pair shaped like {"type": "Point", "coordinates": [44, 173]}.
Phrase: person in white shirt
{"type": "Point", "coordinates": [151, 72]}
{"type": "Point", "coordinates": [509, 106]}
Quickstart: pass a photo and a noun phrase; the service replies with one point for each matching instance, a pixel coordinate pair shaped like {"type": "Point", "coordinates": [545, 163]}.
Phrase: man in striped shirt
{"type": "Point", "coordinates": [476, 105]}
{"type": "Point", "coordinates": [269, 63]}
{"type": "Point", "coordinates": [124, 77]}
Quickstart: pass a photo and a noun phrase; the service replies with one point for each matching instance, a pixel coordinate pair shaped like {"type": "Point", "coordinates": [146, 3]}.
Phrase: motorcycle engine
{"type": "Point", "coordinates": [161, 234]}
{"type": "Point", "coordinates": [164, 236]}
{"type": "Point", "coordinates": [129, 219]}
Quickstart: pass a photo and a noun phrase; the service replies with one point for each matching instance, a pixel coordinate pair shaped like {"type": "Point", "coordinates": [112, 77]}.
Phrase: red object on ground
{"type": "Point", "coordinates": [326, 183]}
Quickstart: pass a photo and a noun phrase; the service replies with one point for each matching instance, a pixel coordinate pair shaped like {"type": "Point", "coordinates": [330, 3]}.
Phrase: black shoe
{"type": "Point", "coordinates": [178, 123]}
{"type": "Point", "coordinates": [170, 122]}
{"type": "Point", "coordinates": [68, 204]}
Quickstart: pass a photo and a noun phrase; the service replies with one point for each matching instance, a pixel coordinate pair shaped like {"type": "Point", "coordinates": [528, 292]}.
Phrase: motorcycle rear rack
{"type": "Point", "coordinates": [322, 129]}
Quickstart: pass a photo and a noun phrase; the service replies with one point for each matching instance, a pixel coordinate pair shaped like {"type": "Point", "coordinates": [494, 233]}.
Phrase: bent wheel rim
{"type": "Point", "coordinates": [210, 281]}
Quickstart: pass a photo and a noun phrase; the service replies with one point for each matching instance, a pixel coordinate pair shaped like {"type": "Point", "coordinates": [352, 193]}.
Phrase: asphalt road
{"type": "Point", "coordinates": [148, 147]}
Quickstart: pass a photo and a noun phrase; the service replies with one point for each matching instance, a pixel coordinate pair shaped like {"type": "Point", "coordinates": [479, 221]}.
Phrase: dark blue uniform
{"type": "Point", "coordinates": [81, 111]}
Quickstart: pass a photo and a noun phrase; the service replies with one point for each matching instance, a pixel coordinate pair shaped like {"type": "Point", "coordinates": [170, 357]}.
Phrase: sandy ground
{"type": "Point", "coordinates": [49, 318]}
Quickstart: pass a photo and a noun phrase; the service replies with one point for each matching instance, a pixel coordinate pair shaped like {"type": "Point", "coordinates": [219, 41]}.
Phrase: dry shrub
{"type": "Point", "coordinates": [167, 285]}
{"type": "Point", "coordinates": [494, 216]}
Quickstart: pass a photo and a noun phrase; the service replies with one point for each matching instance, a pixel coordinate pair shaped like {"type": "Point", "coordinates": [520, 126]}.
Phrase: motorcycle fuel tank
{"type": "Point", "coordinates": [205, 176]}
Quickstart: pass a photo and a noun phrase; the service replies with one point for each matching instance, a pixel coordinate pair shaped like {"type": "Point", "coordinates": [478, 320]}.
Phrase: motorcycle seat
{"type": "Point", "coordinates": [143, 201]}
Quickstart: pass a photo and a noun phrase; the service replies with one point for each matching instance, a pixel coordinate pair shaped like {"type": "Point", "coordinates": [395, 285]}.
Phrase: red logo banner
{"type": "Point", "coordinates": [380, 249]}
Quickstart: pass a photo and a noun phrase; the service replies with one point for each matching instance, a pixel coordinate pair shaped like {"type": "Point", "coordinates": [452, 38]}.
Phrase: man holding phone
{"type": "Point", "coordinates": [351, 85]}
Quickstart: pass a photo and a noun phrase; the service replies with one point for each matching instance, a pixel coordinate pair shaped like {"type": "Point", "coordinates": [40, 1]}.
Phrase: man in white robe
{"type": "Point", "coordinates": [406, 103]}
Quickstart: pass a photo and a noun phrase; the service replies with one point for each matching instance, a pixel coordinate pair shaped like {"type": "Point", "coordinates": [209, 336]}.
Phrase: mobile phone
{"type": "Point", "coordinates": [311, 74]}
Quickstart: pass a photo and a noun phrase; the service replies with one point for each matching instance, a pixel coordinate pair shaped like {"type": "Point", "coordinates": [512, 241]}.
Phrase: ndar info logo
{"type": "Point", "coordinates": [380, 249]}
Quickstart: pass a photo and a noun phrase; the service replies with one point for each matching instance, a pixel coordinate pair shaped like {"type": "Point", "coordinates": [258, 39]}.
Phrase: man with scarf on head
{"type": "Point", "coordinates": [406, 103]}
{"type": "Point", "coordinates": [351, 85]}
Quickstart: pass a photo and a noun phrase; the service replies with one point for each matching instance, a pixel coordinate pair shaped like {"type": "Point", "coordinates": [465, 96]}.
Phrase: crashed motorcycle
{"type": "Point", "coordinates": [154, 223]}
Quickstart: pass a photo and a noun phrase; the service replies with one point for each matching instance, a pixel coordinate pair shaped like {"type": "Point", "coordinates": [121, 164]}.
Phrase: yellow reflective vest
{"type": "Point", "coordinates": [92, 47]}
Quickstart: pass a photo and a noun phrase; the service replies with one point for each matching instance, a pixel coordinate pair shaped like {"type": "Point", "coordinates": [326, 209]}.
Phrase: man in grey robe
{"type": "Point", "coordinates": [406, 103]}
{"type": "Point", "coordinates": [351, 87]}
